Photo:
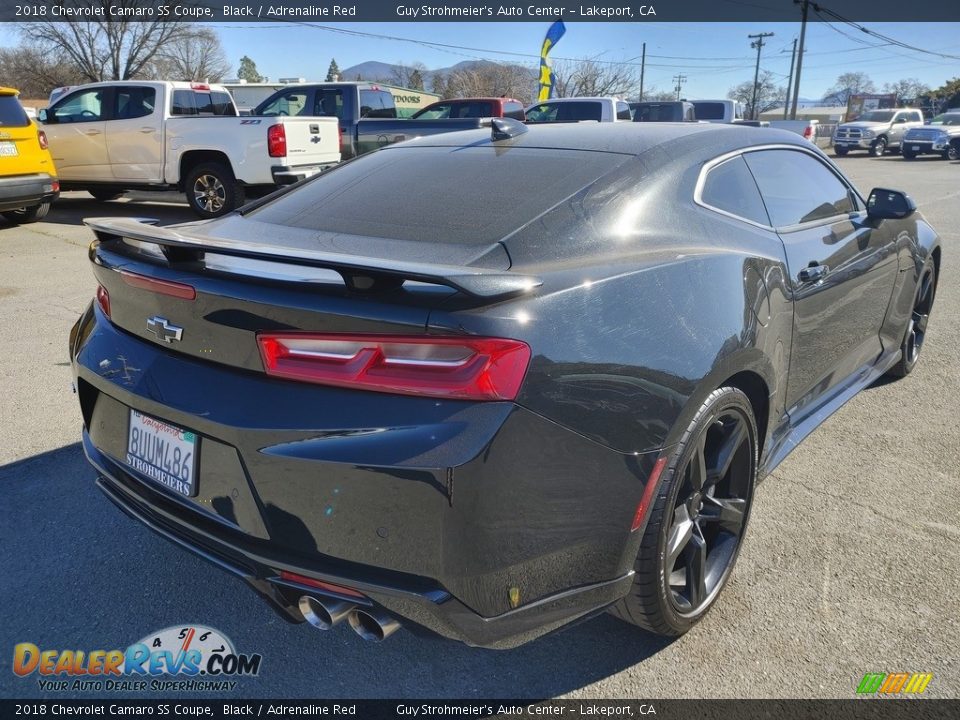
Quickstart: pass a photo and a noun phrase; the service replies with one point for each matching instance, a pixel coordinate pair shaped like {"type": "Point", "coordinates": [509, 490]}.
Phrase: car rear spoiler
{"type": "Point", "coordinates": [364, 274]}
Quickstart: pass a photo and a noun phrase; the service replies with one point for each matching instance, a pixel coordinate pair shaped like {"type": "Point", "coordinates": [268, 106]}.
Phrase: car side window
{"type": "Point", "coordinates": [731, 188]}
{"type": "Point", "coordinates": [82, 106]}
{"type": "Point", "coordinates": [543, 113]}
{"type": "Point", "coordinates": [133, 102]}
{"type": "Point", "coordinates": [513, 110]}
{"type": "Point", "coordinates": [438, 112]}
{"type": "Point", "coordinates": [623, 111]}
{"type": "Point", "coordinates": [183, 103]}
{"type": "Point", "coordinates": [797, 188]}
{"type": "Point", "coordinates": [916, 117]}
{"type": "Point", "coordinates": [289, 103]}
{"type": "Point", "coordinates": [328, 103]}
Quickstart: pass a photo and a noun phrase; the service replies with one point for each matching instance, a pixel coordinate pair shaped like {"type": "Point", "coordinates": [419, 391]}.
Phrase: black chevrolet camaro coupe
{"type": "Point", "coordinates": [485, 384]}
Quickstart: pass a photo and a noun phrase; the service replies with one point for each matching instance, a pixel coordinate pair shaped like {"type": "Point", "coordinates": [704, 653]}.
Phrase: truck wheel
{"type": "Point", "coordinates": [22, 216]}
{"type": "Point", "coordinates": [951, 153]}
{"type": "Point", "coordinates": [879, 147]}
{"type": "Point", "coordinates": [212, 190]}
{"type": "Point", "coordinates": [840, 151]}
{"type": "Point", "coordinates": [105, 194]}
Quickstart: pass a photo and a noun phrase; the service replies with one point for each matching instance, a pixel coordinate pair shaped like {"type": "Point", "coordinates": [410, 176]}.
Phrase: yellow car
{"type": "Point", "coordinates": [28, 180]}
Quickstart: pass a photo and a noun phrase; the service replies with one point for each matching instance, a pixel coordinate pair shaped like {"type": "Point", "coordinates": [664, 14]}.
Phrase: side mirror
{"type": "Point", "coordinates": [886, 204]}
{"type": "Point", "coordinates": [42, 115]}
{"type": "Point", "coordinates": [899, 120]}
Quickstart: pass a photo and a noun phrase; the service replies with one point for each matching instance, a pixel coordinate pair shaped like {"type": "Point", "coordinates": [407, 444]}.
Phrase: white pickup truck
{"type": "Point", "coordinates": [579, 109]}
{"type": "Point", "coordinates": [151, 135]}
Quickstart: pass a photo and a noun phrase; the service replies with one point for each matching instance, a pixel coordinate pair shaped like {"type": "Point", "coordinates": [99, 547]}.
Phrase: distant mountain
{"type": "Point", "coordinates": [376, 71]}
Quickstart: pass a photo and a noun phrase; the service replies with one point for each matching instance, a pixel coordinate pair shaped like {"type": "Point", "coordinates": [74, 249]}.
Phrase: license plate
{"type": "Point", "coordinates": [163, 452]}
{"type": "Point", "coordinates": [915, 148]}
{"type": "Point", "coordinates": [8, 149]}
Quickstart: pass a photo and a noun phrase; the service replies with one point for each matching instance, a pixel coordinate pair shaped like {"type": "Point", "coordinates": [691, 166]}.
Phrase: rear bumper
{"type": "Point", "coordinates": [432, 510]}
{"type": "Point", "coordinates": [21, 191]}
{"type": "Point", "coordinates": [283, 175]}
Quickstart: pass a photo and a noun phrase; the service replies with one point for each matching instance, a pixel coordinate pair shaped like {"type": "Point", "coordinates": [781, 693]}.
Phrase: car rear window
{"type": "Point", "coordinates": [458, 195]}
{"type": "Point", "coordinates": [710, 110]}
{"type": "Point", "coordinates": [12, 113]}
{"type": "Point", "coordinates": [566, 112]}
{"type": "Point", "coordinates": [657, 113]}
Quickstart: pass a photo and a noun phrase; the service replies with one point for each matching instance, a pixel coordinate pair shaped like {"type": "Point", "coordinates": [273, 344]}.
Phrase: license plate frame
{"type": "Point", "coordinates": [915, 148]}
{"type": "Point", "coordinates": [164, 453]}
{"type": "Point", "coordinates": [8, 149]}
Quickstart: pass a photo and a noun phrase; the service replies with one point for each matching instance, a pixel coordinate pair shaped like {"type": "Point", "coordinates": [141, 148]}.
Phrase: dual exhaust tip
{"type": "Point", "coordinates": [369, 624]}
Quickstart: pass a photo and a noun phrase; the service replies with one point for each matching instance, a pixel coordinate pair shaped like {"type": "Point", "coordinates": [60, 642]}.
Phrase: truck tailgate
{"type": "Point", "coordinates": [310, 141]}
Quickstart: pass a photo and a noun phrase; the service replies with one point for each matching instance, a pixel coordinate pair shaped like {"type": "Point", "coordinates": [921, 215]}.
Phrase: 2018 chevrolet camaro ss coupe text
{"type": "Point", "coordinates": [489, 383]}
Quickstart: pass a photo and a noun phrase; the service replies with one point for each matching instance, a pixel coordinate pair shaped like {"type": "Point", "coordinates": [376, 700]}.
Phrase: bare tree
{"type": "Point", "coordinates": [111, 47]}
{"type": "Point", "coordinates": [195, 55]}
{"type": "Point", "coordinates": [35, 73]}
{"type": "Point", "coordinates": [489, 79]}
{"type": "Point", "coordinates": [851, 83]}
{"type": "Point", "coordinates": [907, 90]}
{"type": "Point", "coordinates": [769, 95]}
{"type": "Point", "coordinates": [408, 76]}
{"type": "Point", "coordinates": [591, 77]}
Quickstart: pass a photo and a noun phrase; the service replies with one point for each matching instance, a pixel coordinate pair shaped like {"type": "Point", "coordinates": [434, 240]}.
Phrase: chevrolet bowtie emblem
{"type": "Point", "coordinates": [164, 330]}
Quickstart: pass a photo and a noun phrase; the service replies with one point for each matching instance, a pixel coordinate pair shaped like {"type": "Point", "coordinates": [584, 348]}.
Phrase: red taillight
{"type": "Point", "coordinates": [277, 141]}
{"type": "Point", "coordinates": [54, 185]}
{"type": "Point", "coordinates": [644, 505]}
{"type": "Point", "coordinates": [103, 300]}
{"type": "Point", "coordinates": [454, 367]}
{"type": "Point", "coordinates": [807, 132]}
{"type": "Point", "coordinates": [162, 287]}
{"type": "Point", "coordinates": [199, 86]}
{"type": "Point", "coordinates": [42, 138]}
{"type": "Point", "coordinates": [304, 580]}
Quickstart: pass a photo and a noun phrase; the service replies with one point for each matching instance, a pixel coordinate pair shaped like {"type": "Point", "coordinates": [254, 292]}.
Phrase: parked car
{"type": "Point", "coordinates": [579, 109]}
{"type": "Point", "coordinates": [876, 131]}
{"type": "Point", "coordinates": [934, 137]}
{"type": "Point", "coordinates": [472, 108]}
{"type": "Point", "coordinates": [437, 410]}
{"type": "Point", "coordinates": [807, 129]}
{"type": "Point", "coordinates": [680, 111]}
{"type": "Point", "coordinates": [366, 113]}
{"type": "Point", "coordinates": [28, 180]}
{"type": "Point", "coordinates": [718, 111]}
{"type": "Point", "coordinates": [115, 136]}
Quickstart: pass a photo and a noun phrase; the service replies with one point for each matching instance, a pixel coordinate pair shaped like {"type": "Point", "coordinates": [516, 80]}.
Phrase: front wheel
{"type": "Point", "coordinates": [697, 520]}
{"type": "Point", "coordinates": [21, 216]}
{"type": "Point", "coordinates": [951, 153]}
{"type": "Point", "coordinates": [212, 191]}
{"type": "Point", "coordinates": [879, 147]}
{"type": "Point", "coordinates": [840, 151]}
{"type": "Point", "coordinates": [916, 331]}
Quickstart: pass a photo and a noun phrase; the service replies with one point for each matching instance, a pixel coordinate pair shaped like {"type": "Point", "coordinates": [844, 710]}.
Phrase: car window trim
{"type": "Point", "coordinates": [781, 229]}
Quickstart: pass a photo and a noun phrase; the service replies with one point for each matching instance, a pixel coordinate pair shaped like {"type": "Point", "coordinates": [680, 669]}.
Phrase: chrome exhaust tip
{"type": "Point", "coordinates": [372, 625]}
{"type": "Point", "coordinates": [323, 615]}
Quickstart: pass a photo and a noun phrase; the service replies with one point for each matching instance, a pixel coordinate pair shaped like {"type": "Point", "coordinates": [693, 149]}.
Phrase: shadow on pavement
{"type": "Point", "coordinates": [73, 207]}
{"type": "Point", "coordinates": [79, 574]}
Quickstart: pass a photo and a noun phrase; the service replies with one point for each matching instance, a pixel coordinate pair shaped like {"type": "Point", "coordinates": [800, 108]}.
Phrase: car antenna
{"type": "Point", "coordinates": [505, 128]}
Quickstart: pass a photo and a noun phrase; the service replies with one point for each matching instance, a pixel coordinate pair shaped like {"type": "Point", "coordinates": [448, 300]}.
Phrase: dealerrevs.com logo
{"type": "Point", "coordinates": [200, 658]}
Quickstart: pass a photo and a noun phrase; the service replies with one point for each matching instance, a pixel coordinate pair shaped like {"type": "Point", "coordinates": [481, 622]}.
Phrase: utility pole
{"type": "Point", "coordinates": [758, 44]}
{"type": "Point", "coordinates": [679, 80]}
{"type": "Point", "coordinates": [803, 31]}
{"type": "Point", "coordinates": [643, 64]}
{"type": "Point", "coordinates": [786, 100]}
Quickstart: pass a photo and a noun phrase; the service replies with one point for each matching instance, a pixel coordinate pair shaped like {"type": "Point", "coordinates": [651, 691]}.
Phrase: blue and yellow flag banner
{"type": "Point", "coordinates": [553, 36]}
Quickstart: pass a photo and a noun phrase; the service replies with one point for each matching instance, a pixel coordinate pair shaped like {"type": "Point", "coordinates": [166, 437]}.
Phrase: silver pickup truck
{"type": "Point", "coordinates": [876, 131]}
{"type": "Point", "coordinates": [939, 136]}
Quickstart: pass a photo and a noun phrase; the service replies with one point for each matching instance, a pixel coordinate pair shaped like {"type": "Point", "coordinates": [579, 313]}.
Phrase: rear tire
{"type": "Point", "coordinates": [916, 330]}
{"type": "Point", "coordinates": [22, 216]}
{"type": "Point", "coordinates": [212, 191]}
{"type": "Point", "coordinates": [105, 195]}
{"type": "Point", "coordinates": [698, 518]}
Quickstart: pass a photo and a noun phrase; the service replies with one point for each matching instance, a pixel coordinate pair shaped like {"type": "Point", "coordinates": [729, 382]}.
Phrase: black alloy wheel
{"type": "Point", "coordinates": [916, 331]}
{"type": "Point", "coordinates": [697, 525]}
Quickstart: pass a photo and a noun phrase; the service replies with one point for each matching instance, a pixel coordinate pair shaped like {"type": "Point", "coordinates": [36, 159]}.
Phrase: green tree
{"type": "Point", "coordinates": [248, 71]}
{"type": "Point", "coordinates": [333, 72]}
{"type": "Point", "coordinates": [416, 80]}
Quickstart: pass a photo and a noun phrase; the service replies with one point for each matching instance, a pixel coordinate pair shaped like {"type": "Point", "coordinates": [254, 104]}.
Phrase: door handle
{"type": "Point", "coordinates": [91, 132]}
{"type": "Point", "coordinates": [812, 273]}
{"type": "Point", "coordinates": [147, 129]}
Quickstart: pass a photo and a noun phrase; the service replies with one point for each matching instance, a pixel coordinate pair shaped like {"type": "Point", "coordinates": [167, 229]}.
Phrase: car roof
{"type": "Point", "coordinates": [708, 139]}
{"type": "Point", "coordinates": [8, 91]}
{"type": "Point", "coordinates": [577, 99]}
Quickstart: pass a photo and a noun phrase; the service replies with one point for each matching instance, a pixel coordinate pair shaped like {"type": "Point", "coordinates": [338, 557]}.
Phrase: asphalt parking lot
{"type": "Point", "coordinates": [850, 564]}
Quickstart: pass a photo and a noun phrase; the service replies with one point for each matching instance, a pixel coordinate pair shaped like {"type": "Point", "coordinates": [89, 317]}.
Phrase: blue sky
{"type": "Point", "coordinates": [713, 56]}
